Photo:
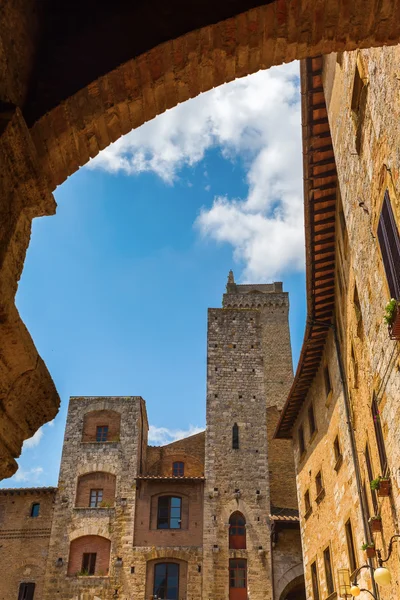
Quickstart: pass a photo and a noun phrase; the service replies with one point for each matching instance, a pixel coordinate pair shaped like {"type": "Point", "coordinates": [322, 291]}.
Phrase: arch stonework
{"type": "Point", "coordinates": [289, 580]}
{"type": "Point", "coordinates": [216, 45]}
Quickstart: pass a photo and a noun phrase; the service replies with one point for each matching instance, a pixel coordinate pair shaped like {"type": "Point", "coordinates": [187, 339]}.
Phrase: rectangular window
{"type": "Point", "coordinates": [166, 581]}
{"type": "Point", "coordinates": [35, 509]}
{"type": "Point", "coordinates": [350, 547]}
{"type": "Point", "coordinates": [302, 446]}
{"type": "Point", "coordinates": [330, 587]}
{"type": "Point", "coordinates": [178, 469]}
{"type": "Point", "coordinates": [336, 448]}
{"type": "Point", "coordinates": [380, 442]}
{"type": "Point", "coordinates": [327, 379]}
{"type": "Point", "coordinates": [358, 85]}
{"type": "Point", "coordinates": [311, 419]}
{"type": "Point", "coordinates": [389, 242]}
{"type": "Point", "coordinates": [96, 498]}
{"type": "Point", "coordinates": [237, 573]}
{"type": "Point", "coordinates": [307, 502]}
{"type": "Point", "coordinates": [102, 433]}
{"type": "Point", "coordinates": [169, 512]}
{"type": "Point", "coordinates": [318, 483]}
{"type": "Point", "coordinates": [89, 562]}
{"type": "Point", "coordinates": [235, 437]}
{"type": "Point", "coordinates": [365, 500]}
{"type": "Point", "coordinates": [358, 313]}
{"type": "Point", "coordinates": [314, 581]}
{"type": "Point", "coordinates": [26, 591]}
{"type": "Point", "coordinates": [370, 478]}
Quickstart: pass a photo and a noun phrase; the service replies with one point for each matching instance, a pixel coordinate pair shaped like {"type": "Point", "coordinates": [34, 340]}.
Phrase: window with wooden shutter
{"type": "Point", "coordinates": [314, 581]}
{"type": "Point", "coordinates": [380, 442]}
{"type": "Point", "coordinates": [370, 478]}
{"type": "Point", "coordinates": [26, 591]}
{"type": "Point", "coordinates": [350, 547]}
{"type": "Point", "coordinates": [330, 586]}
{"type": "Point", "coordinates": [389, 242]}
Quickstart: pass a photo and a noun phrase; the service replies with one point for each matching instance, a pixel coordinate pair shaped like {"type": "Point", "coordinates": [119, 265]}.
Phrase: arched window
{"type": "Point", "coordinates": [166, 581]}
{"type": "Point", "coordinates": [178, 469]}
{"type": "Point", "coordinates": [235, 436]}
{"type": "Point", "coordinates": [169, 513]}
{"type": "Point", "coordinates": [89, 555]}
{"type": "Point", "coordinates": [237, 531]}
{"type": "Point", "coordinates": [237, 579]}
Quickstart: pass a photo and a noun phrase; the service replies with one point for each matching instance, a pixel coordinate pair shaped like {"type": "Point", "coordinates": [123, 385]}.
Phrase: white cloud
{"type": "Point", "coordinates": [29, 476]}
{"type": "Point", "coordinates": [258, 119]}
{"type": "Point", "coordinates": [159, 436]}
{"type": "Point", "coordinates": [34, 440]}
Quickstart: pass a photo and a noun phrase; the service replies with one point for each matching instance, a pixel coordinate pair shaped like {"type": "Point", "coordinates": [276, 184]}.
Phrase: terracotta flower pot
{"type": "Point", "coordinates": [394, 328]}
{"type": "Point", "coordinates": [384, 488]}
{"type": "Point", "coordinates": [376, 525]}
{"type": "Point", "coordinates": [370, 552]}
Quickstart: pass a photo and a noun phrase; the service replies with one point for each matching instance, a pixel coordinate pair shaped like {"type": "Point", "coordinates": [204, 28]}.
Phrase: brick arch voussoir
{"type": "Point", "coordinates": [86, 469]}
{"type": "Point", "coordinates": [101, 530]}
{"type": "Point", "coordinates": [289, 580]}
{"type": "Point", "coordinates": [142, 88]}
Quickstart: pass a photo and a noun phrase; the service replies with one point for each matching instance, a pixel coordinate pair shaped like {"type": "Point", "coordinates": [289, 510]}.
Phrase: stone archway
{"type": "Point", "coordinates": [294, 590]}
{"type": "Point", "coordinates": [56, 112]}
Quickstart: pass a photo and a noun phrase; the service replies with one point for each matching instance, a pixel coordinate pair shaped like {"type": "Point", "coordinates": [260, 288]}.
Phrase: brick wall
{"type": "Point", "coordinates": [146, 532]}
{"type": "Point", "coordinates": [190, 451]}
{"type": "Point", "coordinates": [24, 540]}
{"type": "Point", "coordinates": [99, 418]}
{"type": "Point", "coordinates": [96, 480]}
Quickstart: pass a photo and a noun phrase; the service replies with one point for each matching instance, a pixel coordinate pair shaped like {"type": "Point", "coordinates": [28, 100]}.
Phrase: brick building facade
{"type": "Point", "coordinates": [343, 410]}
{"type": "Point", "coordinates": [213, 515]}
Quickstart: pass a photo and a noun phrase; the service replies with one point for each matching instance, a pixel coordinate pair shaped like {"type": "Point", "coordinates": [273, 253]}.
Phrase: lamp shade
{"type": "Point", "coordinates": [382, 576]}
{"type": "Point", "coordinates": [355, 590]}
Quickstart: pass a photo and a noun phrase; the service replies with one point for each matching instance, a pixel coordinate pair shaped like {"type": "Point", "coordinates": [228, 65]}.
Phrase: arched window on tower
{"type": "Point", "coordinates": [235, 436]}
{"type": "Point", "coordinates": [237, 531]}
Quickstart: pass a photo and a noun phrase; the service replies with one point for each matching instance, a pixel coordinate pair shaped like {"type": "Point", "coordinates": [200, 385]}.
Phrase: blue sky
{"type": "Point", "coordinates": [116, 286]}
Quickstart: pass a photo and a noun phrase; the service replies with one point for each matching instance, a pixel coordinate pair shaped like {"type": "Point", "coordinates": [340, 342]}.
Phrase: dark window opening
{"type": "Point", "coordinates": [318, 483]}
{"type": "Point", "coordinates": [380, 441]}
{"type": "Point", "coordinates": [35, 509]}
{"type": "Point", "coordinates": [307, 502]}
{"type": "Point", "coordinates": [237, 531]}
{"type": "Point", "coordinates": [26, 591]}
{"type": "Point", "coordinates": [169, 512]}
{"type": "Point", "coordinates": [237, 573]}
{"type": "Point", "coordinates": [178, 469]}
{"type": "Point", "coordinates": [357, 91]}
{"type": "Point", "coordinates": [330, 586]}
{"type": "Point", "coordinates": [166, 581]}
{"type": "Point", "coordinates": [311, 419]}
{"type": "Point", "coordinates": [314, 581]}
{"type": "Point", "coordinates": [350, 546]}
{"type": "Point", "coordinates": [96, 497]}
{"type": "Point", "coordinates": [358, 313]}
{"type": "Point", "coordinates": [389, 242]}
{"type": "Point", "coordinates": [235, 437]}
{"type": "Point", "coordinates": [370, 478]}
{"type": "Point", "coordinates": [336, 448]}
{"type": "Point", "coordinates": [327, 379]}
{"type": "Point", "coordinates": [302, 446]}
{"type": "Point", "coordinates": [89, 562]}
{"type": "Point", "coordinates": [102, 433]}
{"type": "Point", "coordinates": [365, 501]}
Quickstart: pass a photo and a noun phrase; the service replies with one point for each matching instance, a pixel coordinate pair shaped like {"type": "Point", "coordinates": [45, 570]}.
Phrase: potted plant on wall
{"type": "Point", "coordinates": [392, 319]}
{"type": "Point", "coordinates": [381, 485]}
{"type": "Point", "coordinates": [369, 549]}
{"type": "Point", "coordinates": [375, 523]}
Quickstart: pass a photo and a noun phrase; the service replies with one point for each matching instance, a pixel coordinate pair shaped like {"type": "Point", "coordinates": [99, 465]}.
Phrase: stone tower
{"type": "Point", "coordinates": [104, 451]}
{"type": "Point", "coordinates": [249, 371]}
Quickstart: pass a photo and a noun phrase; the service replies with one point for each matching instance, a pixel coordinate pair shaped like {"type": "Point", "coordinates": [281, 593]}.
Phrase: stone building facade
{"type": "Point", "coordinates": [343, 412]}
{"type": "Point", "coordinates": [213, 515]}
{"type": "Point", "coordinates": [25, 526]}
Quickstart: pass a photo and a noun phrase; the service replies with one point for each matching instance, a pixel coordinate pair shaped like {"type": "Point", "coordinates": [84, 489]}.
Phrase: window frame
{"type": "Point", "coordinates": [90, 562]}
{"type": "Point", "coordinates": [385, 247]}
{"type": "Point", "coordinates": [307, 504]}
{"type": "Point", "coordinates": [167, 565]}
{"type": "Point", "coordinates": [101, 436]}
{"type": "Point", "coordinates": [351, 551]}
{"type": "Point", "coordinates": [338, 453]}
{"type": "Point", "coordinates": [315, 580]}
{"type": "Point", "coordinates": [97, 494]}
{"type": "Point", "coordinates": [312, 423]}
{"type": "Point", "coordinates": [169, 509]}
{"type": "Point", "coordinates": [370, 472]}
{"type": "Point", "coordinates": [380, 440]}
{"type": "Point", "coordinates": [327, 381]}
{"type": "Point", "coordinates": [329, 577]}
{"type": "Point", "coordinates": [235, 569]}
{"type": "Point", "coordinates": [25, 588]}
{"type": "Point", "coordinates": [237, 540]}
{"type": "Point", "coordinates": [301, 440]}
{"type": "Point", "coordinates": [178, 468]}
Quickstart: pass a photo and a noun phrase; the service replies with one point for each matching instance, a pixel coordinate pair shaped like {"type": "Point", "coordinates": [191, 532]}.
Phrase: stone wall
{"type": "Point", "coordinates": [248, 369]}
{"type": "Point", "coordinates": [24, 539]}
